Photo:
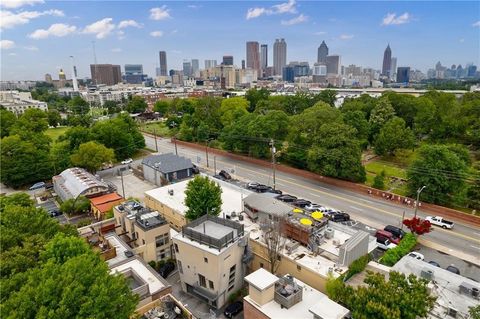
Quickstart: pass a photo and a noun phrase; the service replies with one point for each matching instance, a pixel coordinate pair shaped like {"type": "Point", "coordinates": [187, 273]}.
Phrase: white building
{"type": "Point", "coordinates": [18, 102]}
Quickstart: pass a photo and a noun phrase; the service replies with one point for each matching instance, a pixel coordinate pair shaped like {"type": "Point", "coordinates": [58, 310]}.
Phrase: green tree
{"type": "Point", "coordinates": [474, 312]}
{"type": "Point", "coordinates": [112, 107]}
{"type": "Point", "coordinates": [75, 136]}
{"type": "Point", "coordinates": [254, 96]}
{"type": "Point", "coordinates": [136, 105]}
{"type": "Point", "coordinates": [74, 206]}
{"type": "Point", "coordinates": [78, 105]}
{"type": "Point", "coordinates": [393, 135]}
{"type": "Point", "coordinates": [235, 135]}
{"type": "Point", "coordinates": [203, 196]}
{"type": "Point", "coordinates": [411, 298]}
{"type": "Point", "coordinates": [273, 125]}
{"type": "Point", "coordinates": [328, 96]}
{"type": "Point", "coordinates": [381, 114]}
{"type": "Point", "coordinates": [405, 106]}
{"type": "Point", "coordinates": [7, 120]}
{"type": "Point", "coordinates": [336, 152]}
{"type": "Point", "coordinates": [92, 156]}
{"type": "Point", "coordinates": [232, 109]}
{"type": "Point", "coordinates": [441, 170]}
{"type": "Point", "coordinates": [60, 156]}
{"type": "Point", "coordinates": [379, 180]}
{"type": "Point", "coordinates": [31, 121]}
{"type": "Point", "coordinates": [54, 118]}
{"type": "Point", "coordinates": [162, 107]}
{"type": "Point", "coordinates": [357, 120]}
{"type": "Point", "coordinates": [84, 120]}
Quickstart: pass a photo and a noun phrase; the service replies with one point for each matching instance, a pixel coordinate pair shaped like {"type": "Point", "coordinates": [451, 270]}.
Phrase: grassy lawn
{"type": "Point", "coordinates": [376, 167]}
{"type": "Point", "coordinates": [160, 128]}
{"type": "Point", "coordinates": [54, 133]}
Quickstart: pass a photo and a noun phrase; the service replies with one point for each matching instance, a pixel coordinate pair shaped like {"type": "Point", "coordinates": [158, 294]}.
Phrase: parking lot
{"type": "Point", "coordinates": [134, 186]}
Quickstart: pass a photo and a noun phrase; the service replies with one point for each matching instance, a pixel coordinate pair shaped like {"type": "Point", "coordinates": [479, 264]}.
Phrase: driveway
{"type": "Point", "coordinates": [133, 186]}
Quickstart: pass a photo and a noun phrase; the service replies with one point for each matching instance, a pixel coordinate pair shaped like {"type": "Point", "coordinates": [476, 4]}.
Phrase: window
{"type": "Point", "coordinates": [163, 254]}
{"type": "Point", "coordinates": [202, 281]}
{"type": "Point", "coordinates": [261, 265]}
{"type": "Point", "coordinates": [210, 284]}
{"type": "Point", "coordinates": [180, 269]}
{"type": "Point", "coordinates": [205, 259]}
{"type": "Point", "coordinates": [176, 248]}
{"type": "Point", "coordinates": [161, 240]}
{"type": "Point", "coordinates": [231, 287]}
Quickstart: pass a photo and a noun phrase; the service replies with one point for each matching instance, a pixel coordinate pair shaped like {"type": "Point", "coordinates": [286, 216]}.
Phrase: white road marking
{"type": "Point", "coordinates": [475, 246]}
{"type": "Point", "coordinates": [356, 208]}
{"type": "Point", "coordinates": [316, 195]}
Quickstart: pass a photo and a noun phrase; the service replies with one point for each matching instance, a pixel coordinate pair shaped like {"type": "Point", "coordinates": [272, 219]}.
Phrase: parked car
{"type": "Point", "coordinates": [54, 213]}
{"type": "Point", "coordinates": [339, 217]}
{"type": "Point", "coordinates": [37, 186]}
{"type": "Point", "coordinates": [48, 186]}
{"type": "Point", "coordinates": [397, 232]}
{"type": "Point", "coordinates": [274, 191]}
{"type": "Point", "coordinates": [260, 188]}
{"type": "Point", "coordinates": [252, 185]}
{"type": "Point", "coordinates": [127, 161]}
{"type": "Point", "coordinates": [388, 235]}
{"type": "Point", "coordinates": [224, 174]}
{"type": "Point", "coordinates": [286, 198]}
{"type": "Point", "coordinates": [233, 309]}
{"type": "Point", "coordinates": [439, 221]}
{"type": "Point", "coordinates": [220, 177]}
{"type": "Point", "coordinates": [434, 263]}
{"type": "Point", "coordinates": [416, 255]}
{"type": "Point", "coordinates": [385, 244]}
{"type": "Point", "coordinates": [166, 269]}
{"type": "Point", "coordinates": [453, 269]}
{"type": "Point", "coordinates": [314, 207]}
{"type": "Point", "coordinates": [301, 203]}
{"type": "Point", "coordinates": [195, 169]}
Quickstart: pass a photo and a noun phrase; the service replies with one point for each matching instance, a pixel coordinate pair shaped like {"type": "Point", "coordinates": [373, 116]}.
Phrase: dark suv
{"type": "Point", "coordinates": [395, 231]}
{"type": "Point", "coordinates": [339, 217]}
{"type": "Point", "coordinates": [225, 175]}
{"type": "Point", "coordinates": [233, 309]}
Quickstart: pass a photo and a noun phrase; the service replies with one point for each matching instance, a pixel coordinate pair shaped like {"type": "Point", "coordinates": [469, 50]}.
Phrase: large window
{"type": "Point", "coordinates": [161, 240]}
{"type": "Point", "coordinates": [163, 253]}
{"type": "Point", "coordinates": [202, 281]}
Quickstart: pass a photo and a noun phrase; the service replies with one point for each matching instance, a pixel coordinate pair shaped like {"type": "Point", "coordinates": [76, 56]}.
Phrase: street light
{"type": "Point", "coordinates": [418, 197]}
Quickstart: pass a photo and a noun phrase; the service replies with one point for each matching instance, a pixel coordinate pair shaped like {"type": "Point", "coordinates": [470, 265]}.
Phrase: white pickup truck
{"type": "Point", "coordinates": [439, 221]}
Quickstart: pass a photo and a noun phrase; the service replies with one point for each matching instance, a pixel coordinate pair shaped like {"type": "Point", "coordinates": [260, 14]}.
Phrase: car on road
{"type": "Point", "coordinates": [195, 169]}
{"type": "Point", "coordinates": [416, 255]}
{"type": "Point", "coordinates": [225, 175]}
{"type": "Point", "coordinates": [439, 221]}
{"type": "Point", "coordinates": [233, 309]}
{"type": "Point", "coordinates": [127, 161]}
{"type": "Point", "coordinates": [301, 203]}
{"type": "Point", "coordinates": [166, 269]}
{"type": "Point", "coordinates": [286, 198]}
{"type": "Point", "coordinates": [453, 269]}
{"type": "Point", "coordinates": [385, 244]}
{"type": "Point", "coordinates": [397, 232]}
{"type": "Point", "coordinates": [37, 186]}
{"type": "Point", "coordinates": [339, 217]}
{"type": "Point", "coordinates": [434, 263]}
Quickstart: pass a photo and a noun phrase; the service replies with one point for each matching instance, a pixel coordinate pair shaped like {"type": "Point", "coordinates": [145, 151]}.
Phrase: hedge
{"type": "Point", "coordinates": [404, 247]}
{"type": "Point", "coordinates": [357, 266]}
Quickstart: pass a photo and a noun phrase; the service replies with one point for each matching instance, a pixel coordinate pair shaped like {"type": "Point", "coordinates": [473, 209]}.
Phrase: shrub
{"type": "Point", "coordinates": [404, 247]}
{"type": "Point", "coordinates": [152, 263]}
{"type": "Point", "coordinates": [357, 266]}
{"type": "Point", "coordinates": [379, 181]}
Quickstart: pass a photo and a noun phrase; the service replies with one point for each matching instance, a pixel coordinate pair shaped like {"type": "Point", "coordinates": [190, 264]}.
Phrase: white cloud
{"type": "Point", "coordinates": [393, 19]}
{"type": "Point", "coordinates": [120, 35]}
{"type": "Point", "coordinates": [6, 44]}
{"type": "Point", "coordinates": [346, 36]}
{"type": "Point", "coordinates": [116, 50]}
{"type": "Point", "coordinates": [320, 33]}
{"type": "Point", "coordinates": [156, 34]}
{"type": "Point", "coordinates": [300, 19]}
{"type": "Point", "coordinates": [8, 19]}
{"type": "Point", "coordinates": [476, 24]}
{"type": "Point", "coordinates": [101, 28]}
{"type": "Point", "coordinates": [31, 48]}
{"type": "Point", "coordinates": [161, 13]}
{"type": "Point", "coordinates": [286, 7]}
{"type": "Point", "coordinates": [13, 4]}
{"type": "Point", "coordinates": [55, 30]}
{"type": "Point", "coordinates": [129, 23]}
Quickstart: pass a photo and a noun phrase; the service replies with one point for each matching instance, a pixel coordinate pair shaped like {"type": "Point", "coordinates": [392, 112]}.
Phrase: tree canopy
{"type": "Point", "coordinates": [202, 196]}
{"type": "Point", "coordinates": [136, 105]}
{"type": "Point", "coordinates": [92, 156]}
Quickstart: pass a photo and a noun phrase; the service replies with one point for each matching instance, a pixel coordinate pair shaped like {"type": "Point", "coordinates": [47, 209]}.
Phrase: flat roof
{"type": "Point", "coordinates": [120, 247]}
{"type": "Point", "coordinates": [326, 308]}
{"type": "Point", "coordinates": [214, 230]}
{"type": "Point", "coordinates": [261, 279]}
{"type": "Point", "coordinates": [311, 299]}
{"type": "Point", "coordinates": [231, 196]}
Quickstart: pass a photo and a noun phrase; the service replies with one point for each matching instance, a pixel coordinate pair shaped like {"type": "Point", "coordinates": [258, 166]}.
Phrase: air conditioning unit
{"type": "Point", "coordinates": [329, 232]}
{"type": "Point", "coordinates": [475, 293]}
{"type": "Point", "coordinates": [426, 274]}
{"type": "Point", "coordinates": [452, 312]}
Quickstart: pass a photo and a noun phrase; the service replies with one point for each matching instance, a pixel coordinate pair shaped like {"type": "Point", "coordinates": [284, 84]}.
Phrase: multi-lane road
{"type": "Point", "coordinates": [463, 240]}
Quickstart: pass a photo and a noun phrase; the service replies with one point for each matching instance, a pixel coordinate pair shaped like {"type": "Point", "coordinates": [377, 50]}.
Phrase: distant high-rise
{"type": "Point", "coordinates": [387, 61]}
{"type": "Point", "coordinates": [243, 64]}
{"type": "Point", "coordinates": [279, 56]}
{"type": "Point", "coordinates": [322, 53]}
{"type": "Point", "coordinates": [263, 58]}
{"type": "Point", "coordinates": [48, 78]}
{"type": "Point", "coordinates": [227, 60]}
{"type": "Point", "coordinates": [187, 68]}
{"type": "Point", "coordinates": [288, 74]}
{"type": "Point", "coordinates": [134, 73]}
{"type": "Point", "coordinates": [333, 64]}
{"type": "Point", "coordinates": [253, 58]}
{"type": "Point", "coordinates": [163, 63]}
{"type": "Point", "coordinates": [403, 74]}
{"type": "Point", "coordinates": [210, 64]}
{"type": "Point", "coordinates": [108, 74]}
{"type": "Point", "coordinates": [195, 67]}
{"type": "Point", "coordinates": [393, 68]}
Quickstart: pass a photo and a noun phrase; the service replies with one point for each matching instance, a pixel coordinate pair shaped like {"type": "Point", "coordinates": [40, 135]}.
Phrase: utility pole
{"type": "Point", "coordinates": [272, 145]}
{"type": "Point", "coordinates": [215, 165]}
{"type": "Point", "coordinates": [206, 151]}
{"type": "Point", "coordinates": [123, 186]}
{"type": "Point", "coordinates": [175, 141]}
{"type": "Point", "coordinates": [155, 136]}
{"type": "Point", "coordinates": [418, 197]}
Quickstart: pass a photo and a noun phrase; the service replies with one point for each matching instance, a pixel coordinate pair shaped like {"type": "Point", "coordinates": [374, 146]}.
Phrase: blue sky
{"type": "Point", "coordinates": [37, 37]}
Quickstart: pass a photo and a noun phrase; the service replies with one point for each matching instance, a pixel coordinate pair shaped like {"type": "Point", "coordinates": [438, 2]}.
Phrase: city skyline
{"type": "Point", "coordinates": [39, 38]}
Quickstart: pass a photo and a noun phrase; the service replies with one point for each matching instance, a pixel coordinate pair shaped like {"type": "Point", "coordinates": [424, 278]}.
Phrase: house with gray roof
{"type": "Point", "coordinates": [166, 168]}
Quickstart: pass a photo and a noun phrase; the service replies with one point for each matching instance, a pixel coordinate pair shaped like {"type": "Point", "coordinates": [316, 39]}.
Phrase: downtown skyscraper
{"type": "Point", "coordinates": [387, 61]}
{"type": "Point", "coordinates": [163, 63]}
{"type": "Point", "coordinates": [279, 56]}
{"type": "Point", "coordinates": [322, 53]}
{"type": "Point", "coordinates": [253, 58]}
{"type": "Point", "coordinates": [263, 58]}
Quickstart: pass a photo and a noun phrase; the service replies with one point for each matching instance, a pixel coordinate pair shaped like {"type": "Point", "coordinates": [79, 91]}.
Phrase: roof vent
{"type": "Point", "coordinates": [170, 192]}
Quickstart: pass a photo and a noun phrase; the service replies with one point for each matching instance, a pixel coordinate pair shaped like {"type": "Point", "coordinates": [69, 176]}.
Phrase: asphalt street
{"type": "Point", "coordinates": [463, 239]}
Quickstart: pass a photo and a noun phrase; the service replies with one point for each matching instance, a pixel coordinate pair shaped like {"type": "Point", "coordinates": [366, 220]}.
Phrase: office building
{"type": "Point", "coordinates": [163, 63]}
{"type": "Point", "coordinates": [227, 60]}
{"type": "Point", "coordinates": [403, 74]}
{"type": "Point", "coordinates": [187, 68]}
{"type": "Point", "coordinates": [243, 64]}
{"type": "Point", "coordinates": [288, 74]}
{"type": "Point", "coordinates": [263, 59]}
{"type": "Point", "coordinates": [108, 74]}
{"type": "Point", "coordinates": [333, 64]}
{"type": "Point", "coordinates": [253, 58]}
{"type": "Point", "coordinates": [211, 255]}
{"type": "Point", "coordinates": [134, 74]}
{"type": "Point", "coordinates": [393, 70]}
{"type": "Point", "coordinates": [195, 67]}
{"type": "Point", "coordinates": [210, 64]}
{"type": "Point", "coordinates": [322, 53]}
{"type": "Point", "coordinates": [387, 61]}
{"type": "Point", "coordinates": [279, 56]}
{"type": "Point", "coordinates": [18, 102]}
